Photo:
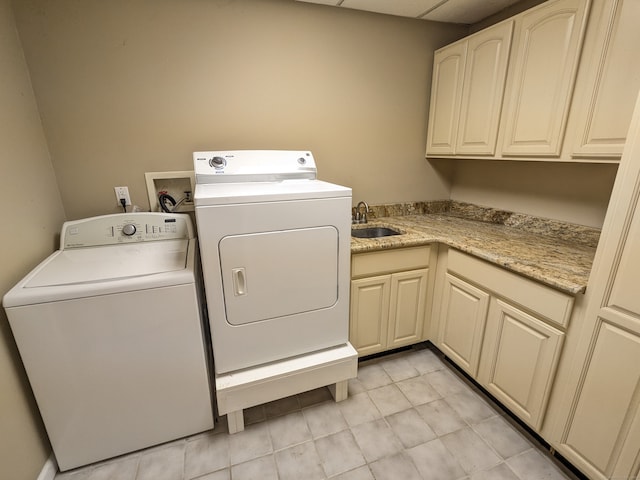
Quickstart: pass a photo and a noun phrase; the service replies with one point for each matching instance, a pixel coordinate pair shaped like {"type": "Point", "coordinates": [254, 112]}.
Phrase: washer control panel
{"type": "Point", "coordinates": [123, 228]}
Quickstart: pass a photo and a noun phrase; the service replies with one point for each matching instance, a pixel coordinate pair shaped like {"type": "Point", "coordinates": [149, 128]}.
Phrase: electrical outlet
{"type": "Point", "coordinates": [123, 192]}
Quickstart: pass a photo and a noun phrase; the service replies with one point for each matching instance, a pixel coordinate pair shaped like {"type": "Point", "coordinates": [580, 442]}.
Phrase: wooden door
{"type": "Point", "coordinates": [446, 93]}
{"type": "Point", "coordinates": [369, 319]}
{"type": "Point", "coordinates": [483, 89]}
{"type": "Point", "coordinates": [462, 322]}
{"type": "Point", "coordinates": [600, 428]}
{"type": "Point", "coordinates": [407, 307]}
{"type": "Point", "coordinates": [545, 57]}
{"type": "Point", "coordinates": [519, 359]}
{"type": "Point", "coordinates": [611, 84]}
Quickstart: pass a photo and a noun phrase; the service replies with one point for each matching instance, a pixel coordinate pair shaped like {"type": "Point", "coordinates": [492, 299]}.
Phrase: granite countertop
{"type": "Point", "coordinates": [557, 254]}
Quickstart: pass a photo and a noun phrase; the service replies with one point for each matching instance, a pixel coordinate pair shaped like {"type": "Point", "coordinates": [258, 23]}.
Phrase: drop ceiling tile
{"type": "Point", "coordinates": [467, 11]}
{"type": "Point", "coordinates": [404, 8]}
{"type": "Point", "coordinates": [451, 11]}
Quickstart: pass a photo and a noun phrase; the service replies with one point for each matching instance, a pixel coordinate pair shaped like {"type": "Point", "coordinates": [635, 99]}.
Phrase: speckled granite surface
{"type": "Point", "coordinates": [554, 253]}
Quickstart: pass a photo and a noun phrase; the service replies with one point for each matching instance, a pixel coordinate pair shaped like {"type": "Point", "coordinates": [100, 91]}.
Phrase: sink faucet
{"type": "Point", "coordinates": [358, 216]}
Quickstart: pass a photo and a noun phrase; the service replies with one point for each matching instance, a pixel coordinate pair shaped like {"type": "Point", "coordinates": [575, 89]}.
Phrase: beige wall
{"type": "Point", "coordinates": [576, 193]}
{"type": "Point", "coordinates": [32, 217]}
{"type": "Point", "coordinates": [127, 87]}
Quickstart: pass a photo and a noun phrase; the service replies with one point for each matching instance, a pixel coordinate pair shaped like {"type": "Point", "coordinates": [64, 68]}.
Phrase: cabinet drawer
{"type": "Point", "coordinates": [551, 304]}
{"type": "Point", "coordinates": [388, 261]}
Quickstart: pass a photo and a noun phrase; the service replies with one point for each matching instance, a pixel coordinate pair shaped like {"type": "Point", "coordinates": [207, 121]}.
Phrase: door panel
{"type": "Point", "coordinates": [369, 314]}
{"type": "Point", "coordinates": [408, 300]}
{"type": "Point", "coordinates": [600, 421]}
{"type": "Point", "coordinates": [275, 274]}
{"type": "Point", "coordinates": [446, 92]}
{"type": "Point", "coordinates": [463, 321]}
{"type": "Point", "coordinates": [548, 49]}
{"type": "Point", "coordinates": [605, 108]}
{"type": "Point", "coordinates": [519, 359]}
{"type": "Point", "coordinates": [484, 79]}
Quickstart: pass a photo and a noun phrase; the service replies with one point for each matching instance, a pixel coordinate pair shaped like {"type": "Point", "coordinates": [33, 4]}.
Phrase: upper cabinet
{"type": "Point", "coordinates": [466, 96]}
{"type": "Point", "coordinates": [556, 82]}
{"type": "Point", "coordinates": [609, 81]}
{"type": "Point", "coordinates": [541, 78]}
{"type": "Point", "coordinates": [446, 93]}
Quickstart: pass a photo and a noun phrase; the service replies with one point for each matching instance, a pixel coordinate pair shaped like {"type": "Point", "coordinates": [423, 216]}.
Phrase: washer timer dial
{"type": "Point", "coordinates": [129, 229]}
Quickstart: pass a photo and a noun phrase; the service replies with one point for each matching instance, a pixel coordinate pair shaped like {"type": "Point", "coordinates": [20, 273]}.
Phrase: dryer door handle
{"type": "Point", "coordinates": [239, 281]}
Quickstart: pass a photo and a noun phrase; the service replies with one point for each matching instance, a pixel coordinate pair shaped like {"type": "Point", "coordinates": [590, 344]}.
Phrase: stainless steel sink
{"type": "Point", "coordinates": [373, 232]}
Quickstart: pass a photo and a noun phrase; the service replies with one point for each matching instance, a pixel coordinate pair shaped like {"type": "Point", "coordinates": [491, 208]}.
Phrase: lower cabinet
{"type": "Point", "coordinates": [389, 298]}
{"type": "Point", "coordinates": [462, 323]}
{"type": "Point", "coordinates": [369, 318]}
{"type": "Point", "coordinates": [505, 331]}
{"type": "Point", "coordinates": [519, 358]}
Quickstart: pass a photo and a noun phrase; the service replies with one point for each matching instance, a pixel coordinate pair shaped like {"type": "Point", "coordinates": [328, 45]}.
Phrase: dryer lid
{"type": "Point", "coordinates": [287, 190]}
{"type": "Point", "coordinates": [113, 262]}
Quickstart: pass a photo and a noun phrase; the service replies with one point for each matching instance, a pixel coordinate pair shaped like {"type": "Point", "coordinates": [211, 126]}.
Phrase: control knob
{"type": "Point", "coordinates": [129, 229]}
{"type": "Point", "coordinates": [218, 162]}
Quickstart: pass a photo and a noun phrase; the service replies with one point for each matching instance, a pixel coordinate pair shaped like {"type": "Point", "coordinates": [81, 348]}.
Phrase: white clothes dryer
{"type": "Point", "coordinates": [275, 248]}
{"type": "Point", "coordinates": [275, 245]}
{"type": "Point", "coordinates": [110, 331]}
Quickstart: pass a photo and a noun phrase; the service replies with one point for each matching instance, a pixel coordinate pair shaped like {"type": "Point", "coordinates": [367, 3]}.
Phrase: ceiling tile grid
{"type": "Point", "coordinates": [449, 11]}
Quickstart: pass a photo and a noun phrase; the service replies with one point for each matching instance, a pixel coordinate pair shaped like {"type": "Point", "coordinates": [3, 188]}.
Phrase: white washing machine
{"type": "Point", "coordinates": [110, 332]}
{"type": "Point", "coordinates": [275, 245]}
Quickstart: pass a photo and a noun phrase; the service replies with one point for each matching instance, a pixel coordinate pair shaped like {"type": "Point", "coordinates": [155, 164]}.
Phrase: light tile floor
{"type": "Point", "coordinates": [408, 416]}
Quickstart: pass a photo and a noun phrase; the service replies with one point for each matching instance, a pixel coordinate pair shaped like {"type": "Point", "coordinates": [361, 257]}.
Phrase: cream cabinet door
{"type": "Point", "coordinates": [611, 83]}
{"type": "Point", "coordinates": [519, 359]}
{"type": "Point", "coordinates": [546, 48]}
{"type": "Point", "coordinates": [604, 424]}
{"type": "Point", "coordinates": [600, 427]}
{"type": "Point", "coordinates": [467, 91]}
{"type": "Point", "coordinates": [462, 322]}
{"type": "Point", "coordinates": [369, 320]}
{"type": "Point", "coordinates": [408, 302]}
{"type": "Point", "coordinates": [483, 89]}
{"type": "Point", "coordinates": [602, 433]}
{"type": "Point", "coordinates": [446, 93]}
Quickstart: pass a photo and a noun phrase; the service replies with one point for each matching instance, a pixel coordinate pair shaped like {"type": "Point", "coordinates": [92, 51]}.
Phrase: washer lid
{"type": "Point", "coordinates": [113, 262]}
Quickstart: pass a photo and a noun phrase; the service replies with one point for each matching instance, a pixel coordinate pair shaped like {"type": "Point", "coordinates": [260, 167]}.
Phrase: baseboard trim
{"type": "Point", "coordinates": [49, 469]}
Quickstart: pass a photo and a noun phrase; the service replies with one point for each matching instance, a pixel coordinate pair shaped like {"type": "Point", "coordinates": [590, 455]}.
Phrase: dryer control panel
{"type": "Point", "coordinates": [122, 228]}
{"type": "Point", "coordinates": [253, 166]}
